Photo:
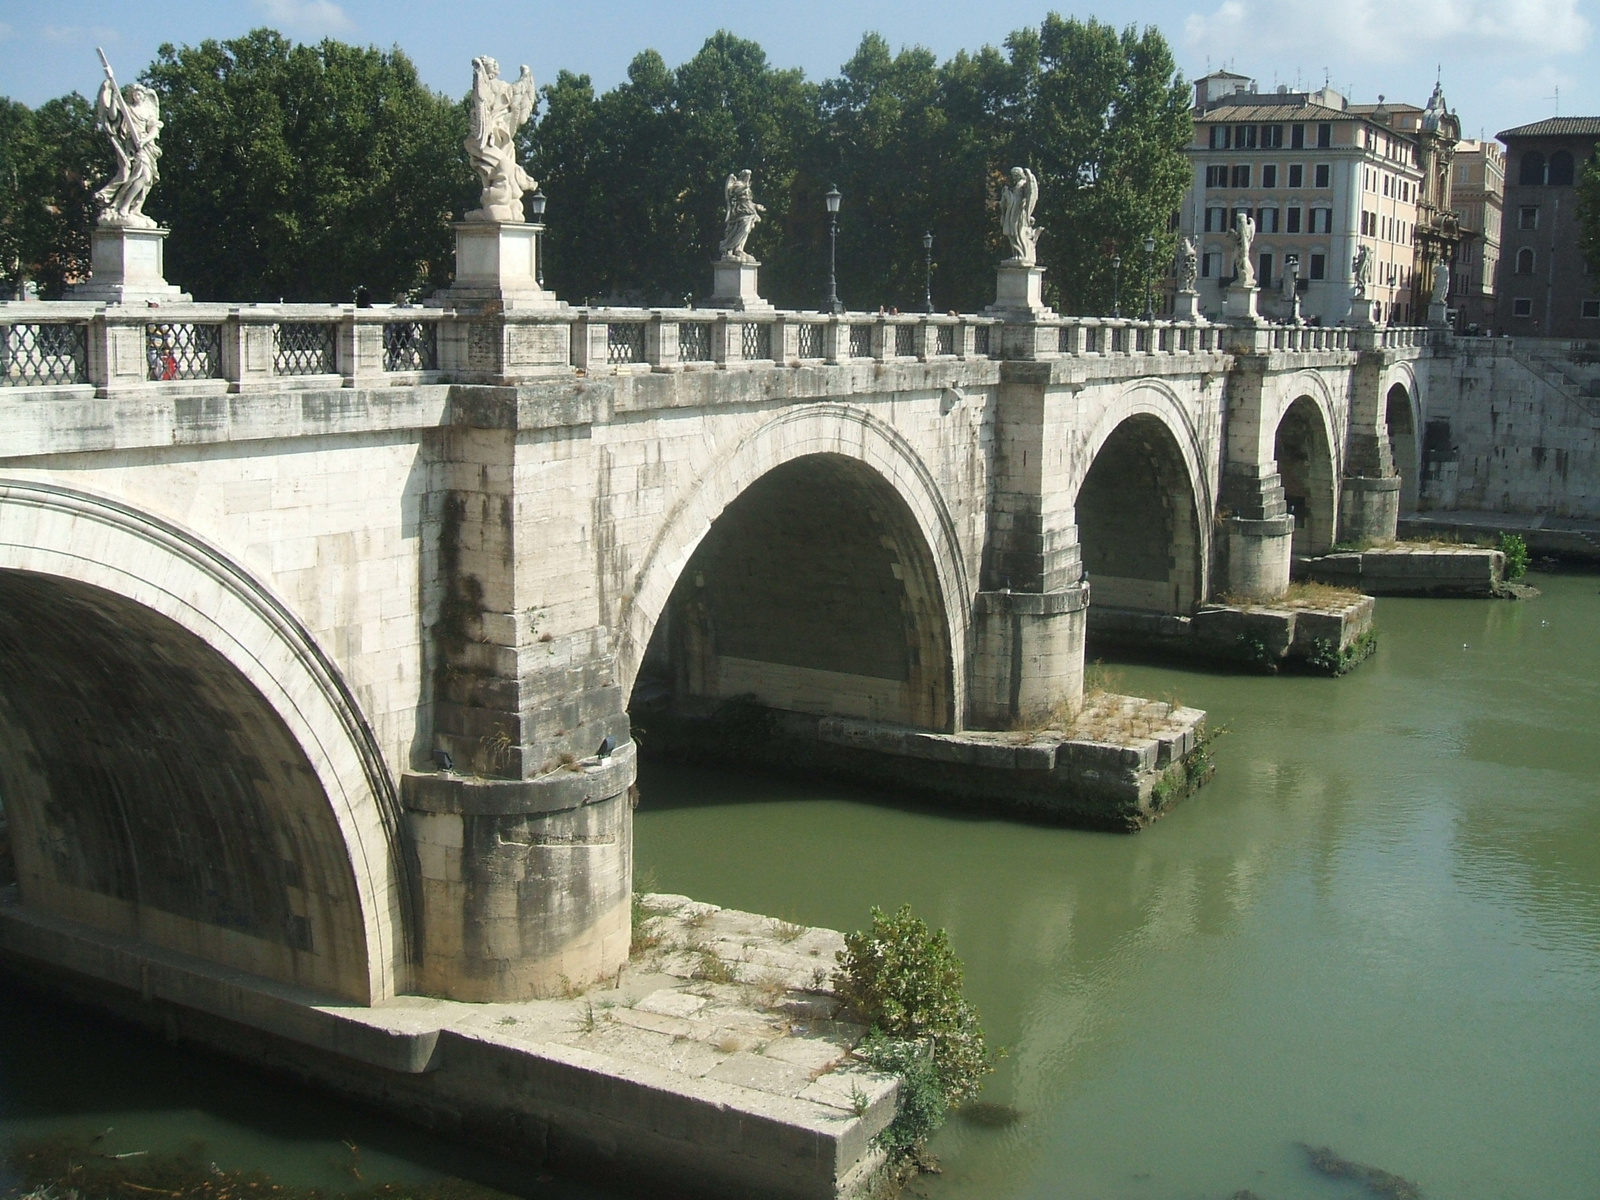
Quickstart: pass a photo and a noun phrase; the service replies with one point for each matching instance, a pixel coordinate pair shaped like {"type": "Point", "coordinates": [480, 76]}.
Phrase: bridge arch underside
{"type": "Point", "coordinates": [1305, 466]}
{"type": "Point", "coordinates": [153, 792]}
{"type": "Point", "coordinates": [814, 591]}
{"type": "Point", "coordinates": [1138, 529]}
{"type": "Point", "coordinates": [1401, 422]}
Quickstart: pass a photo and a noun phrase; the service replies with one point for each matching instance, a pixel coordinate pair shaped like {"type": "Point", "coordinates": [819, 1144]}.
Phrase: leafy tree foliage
{"type": "Point", "coordinates": [51, 161]}
{"type": "Point", "coordinates": [1589, 212]}
{"type": "Point", "coordinates": [304, 171]}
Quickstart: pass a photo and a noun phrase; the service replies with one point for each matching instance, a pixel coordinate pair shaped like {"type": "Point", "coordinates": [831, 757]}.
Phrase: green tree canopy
{"type": "Point", "coordinates": [304, 171]}
{"type": "Point", "coordinates": [1589, 213]}
{"type": "Point", "coordinates": [51, 161]}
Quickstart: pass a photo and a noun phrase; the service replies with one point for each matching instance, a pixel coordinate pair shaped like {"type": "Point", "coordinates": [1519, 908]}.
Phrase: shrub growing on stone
{"type": "Point", "coordinates": [1516, 552]}
{"type": "Point", "coordinates": [904, 981]}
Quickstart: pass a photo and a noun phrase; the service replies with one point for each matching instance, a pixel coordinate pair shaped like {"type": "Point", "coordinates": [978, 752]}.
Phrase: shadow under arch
{"type": "Point", "coordinates": [1303, 448]}
{"type": "Point", "coordinates": [820, 473]}
{"type": "Point", "coordinates": [1400, 419]}
{"type": "Point", "coordinates": [181, 762]}
{"type": "Point", "coordinates": [1137, 508]}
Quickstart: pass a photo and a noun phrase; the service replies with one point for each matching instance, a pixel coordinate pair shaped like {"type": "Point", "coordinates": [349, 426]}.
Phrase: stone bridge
{"type": "Point", "coordinates": [320, 626]}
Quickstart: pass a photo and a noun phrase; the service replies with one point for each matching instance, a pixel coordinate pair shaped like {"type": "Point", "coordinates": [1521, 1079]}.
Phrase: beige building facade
{"type": "Point", "coordinates": [1478, 186]}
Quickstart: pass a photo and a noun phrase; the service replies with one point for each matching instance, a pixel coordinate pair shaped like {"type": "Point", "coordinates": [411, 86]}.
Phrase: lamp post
{"type": "Point", "coordinates": [830, 303]}
{"type": "Point", "coordinates": [536, 203]}
{"type": "Point", "coordinates": [1149, 301]}
{"type": "Point", "coordinates": [927, 272]}
{"type": "Point", "coordinates": [1116, 285]}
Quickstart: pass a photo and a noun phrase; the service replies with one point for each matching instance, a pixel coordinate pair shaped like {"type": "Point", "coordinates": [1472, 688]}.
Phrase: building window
{"type": "Point", "coordinates": [1272, 137]}
{"type": "Point", "coordinates": [1216, 220]}
{"type": "Point", "coordinates": [1297, 136]}
{"type": "Point", "coordinates": [1591, 310]}
{"type": "Point", "coordinates": [1265, 273]}
{"type": "Point", "coordinates": [1522, 307]}
{"type": "Point", "coordinates": [1297, 173]}
{"type": "Point", "coordinates": [1241, 175]}
{"type": "Point", "coordinates": [1217, 176]}
{"type": "Point", "coordinates": [1324, 135]}
{"type": "Point", "coordinates": [1269, 174]}
{"type": "Point", "coordinates": [1525, 261]}
{"type": "Point", "coordinates": [1322, 220]}
{"type": "Point", "coordinates": [1560, 169]}
{"type": "Point", "coordinates": [1528, 217]}
{"type": "Point", "coordinates": [1210, 262]}
{"type": "Point", "coordinates": [1244, 137]}
{"type": "Point", "coordinates": [1219, 137]}
{"type": "Point", "coordinates": [1267, 220]}
{"type": "Point", "coordinates": [1532, 169]}
{"type": "Point", "coordinates": [1292, 221]}
{"type": "Point", "coordinates": [1324, 172]}
{"type": "Point", "coordinates": [1319, 266]}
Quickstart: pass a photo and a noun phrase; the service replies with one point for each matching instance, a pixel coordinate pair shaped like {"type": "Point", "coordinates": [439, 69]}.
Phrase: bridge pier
{"type": "Point", "coordinates": [1257, 528]}
{"type": "Point", "coordinates": [1369, 500]}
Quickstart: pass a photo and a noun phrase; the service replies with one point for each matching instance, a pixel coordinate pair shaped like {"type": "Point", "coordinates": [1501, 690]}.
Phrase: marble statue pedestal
{"type": "Point", "coordinates": [127, 266]}
{"type": "Point", "coordinates": [499, 261]}
{"type": "Point", "coordinates": [1438, 314]}
{"type": "Point", "coordinates": [734, 286]}
{"type": "Point", "coordinates": [1186, 306]}
{"type": "Point", "coordinates": [1361, 312]}
{"type": "Point", "coordinates": [1239, 305]}
{"type": "Point", "coordinates": [1019, 292]}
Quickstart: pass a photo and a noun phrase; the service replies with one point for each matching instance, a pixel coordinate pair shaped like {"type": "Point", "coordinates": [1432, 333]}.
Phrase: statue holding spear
{"type": "Point", "coordinates": [131, 117]}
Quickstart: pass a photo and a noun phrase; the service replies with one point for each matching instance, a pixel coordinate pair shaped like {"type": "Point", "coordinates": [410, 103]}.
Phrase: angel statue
{"type": "Point", "coordinates": [1016, 216]}
{"type": "Point", "coordinates": [1441, 284]}
{"type": "Point", "coordinates": [131, 117]}
{"type": "Point", "coordinates": [1240, 238]}
{"type": "Point", "coordinates": [499, 109]}
{"type": "Point", "coordinates": [743, 215]}
{"type": "Point", "coordinates": [1361, 268]}
{"type": "Point", "coordinates": [1188, 265]}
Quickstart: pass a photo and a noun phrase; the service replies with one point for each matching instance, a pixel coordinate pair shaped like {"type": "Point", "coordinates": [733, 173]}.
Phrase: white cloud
{"type": "Point", "coordinates": [308, 18]}
{"type": "Point", "coordinates": [79, 33]}
{"type": "Point", "coordinates": [1384, 31]}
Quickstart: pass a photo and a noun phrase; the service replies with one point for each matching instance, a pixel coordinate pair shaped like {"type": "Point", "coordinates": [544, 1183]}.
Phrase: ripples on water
{"type": "Point", "coordinates": [1378, 930]}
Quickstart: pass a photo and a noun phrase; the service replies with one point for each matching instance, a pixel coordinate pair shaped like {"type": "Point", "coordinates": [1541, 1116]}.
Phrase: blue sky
{"type": "Point", "coordinates": [1502, 60]}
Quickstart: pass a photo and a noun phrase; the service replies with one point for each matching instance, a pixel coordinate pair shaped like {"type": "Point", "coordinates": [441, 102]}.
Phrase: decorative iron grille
{"type": "Point", "coordinates": [1164, 339]}
{"type": "Point", "coordinates": [755, 341]}
{"type": "Point", "coordinates": [1119, 340]}
{"type": "Point", "coordinates": [694, 341]}
{"type": "Point", "coordinates": [809, 344]}
{"type": "Point", "coordinates": [410, 346]}
{"type": "Point", "coordinates": [1091, 340]}
{"type": "Point", "coordinates": [980, 341]}
{"type": "Point", "coordinates": [1064, 340]}
{"type": "Point", "coordinates": [946, 339]}
{"type": "Point", "coordinates": [183, 350]}
{"type": "Point", "coordinates": [1184, 342]}
{"type": "Point", "coordinates": [905, 341]}
{"type": "Point", "coordinates": [1141, 340]}
{"type": "Point", "coordinates": [32, 355]}
{"type": "Point", "coordinates": [861, 341]}
{"type": "Point", "coordinates": [303, 348]}
{"type": "Point", "coordinates": [625, 342]}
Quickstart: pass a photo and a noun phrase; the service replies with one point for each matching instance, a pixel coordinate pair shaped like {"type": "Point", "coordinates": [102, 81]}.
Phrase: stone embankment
{"type": "Point", "coordinates": [1325, 633]}
{"type": "Point", "coordinates": [1411, 570]}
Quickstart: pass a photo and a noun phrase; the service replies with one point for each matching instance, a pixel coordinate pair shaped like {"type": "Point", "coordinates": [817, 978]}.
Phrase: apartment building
{"type": "Point", "coordinates": [1477, 193]}
{"type": "Point", "coordinates": [1322, 178]}
{"type": "Point", "coordinates": [1546, 289]}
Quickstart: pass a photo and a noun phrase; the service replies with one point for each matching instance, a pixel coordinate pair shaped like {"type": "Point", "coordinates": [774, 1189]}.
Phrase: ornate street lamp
{"type": "Point", "coordinates": [927, 272]}
{"type": "Point", "coordinates": [1116, 285]}
{"type": "Point", "coordinates": [1149, 302]}
{"type": "Point", "coordinates": [536, 203]}
{"type": "Point", "coordinates": [831, 303]}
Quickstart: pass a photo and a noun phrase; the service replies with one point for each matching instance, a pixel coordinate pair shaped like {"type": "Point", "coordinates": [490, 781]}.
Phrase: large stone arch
{"type": "Point", "coordinates": [863, 451]}
{"type": "Point", "coordinates": [1146, 417]}
{"type": "Point", "coordinates": [170, 696]}
{"type": "Point", "coordinates": [1303, 446]}
{"type": "Point", "coordinates": [1402, 417]}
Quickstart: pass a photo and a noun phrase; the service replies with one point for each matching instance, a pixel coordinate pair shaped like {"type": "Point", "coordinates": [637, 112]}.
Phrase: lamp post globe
{"type": "Point", "coordinates": [831, 198]}
{"type": "Point", "coordinates": [536, 203]}
{"type": "Point", "coordinates": [927, 272]}
{"type": "Point", "coordinates": [1149, 299]}
{"type": "Point", "coordinates": [1116, 285]}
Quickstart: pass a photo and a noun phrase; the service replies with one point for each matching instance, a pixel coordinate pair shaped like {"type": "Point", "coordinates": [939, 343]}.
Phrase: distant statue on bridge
{"type": "Point", "coordinates": [1240, 238]}
{"type": "Point", "coordinates": [742, 216]}
{"type": "Point", "coordinates": [131, 117]}
{"type": "Point", "coordinates": [498, 110]}
{"type": "Point", "coordinates": [1188, 265]}
{"type": "Point", "coordinates": [1361, 270]}
{"type": "Point", "coordinates": [1441, 283]}
{"type": "Point", "coordinates": [1016, 216]}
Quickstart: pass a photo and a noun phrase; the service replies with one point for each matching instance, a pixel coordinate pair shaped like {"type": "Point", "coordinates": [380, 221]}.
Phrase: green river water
{"type": "Point", "coordinates": [1378, 929]}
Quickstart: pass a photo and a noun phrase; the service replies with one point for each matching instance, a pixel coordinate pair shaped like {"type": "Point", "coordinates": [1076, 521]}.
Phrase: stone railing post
{"type": "Point", "coordinates": [836, 340]}
{"type": "Point", "coordinates": [360, 348]}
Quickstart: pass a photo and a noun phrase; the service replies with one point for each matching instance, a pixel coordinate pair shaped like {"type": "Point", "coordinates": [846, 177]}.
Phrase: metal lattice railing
{"type": "Point", "coordinates": [809, 343]}
{"type": "Point", "coordinates": [861, 341]}
{"type": "Point", "coordinates": [625, 342]}
{"type": "Point", "coordinates": [1064, 340]}
{"type": "Point", "coordinates": [410, 346]}
{"type": "Point", "coordinates": [182, 350]}
{"type": "Point", "coordinates": [945, 339]}
{"type": "Point", "coordinates": [694, 341]}
{"type": "Point", "coordinates": [33, 355]}
{"type": "Point", "coordinates": [755, 341]}
{"type": "Point", "coordinates": [980, 341]}
{"type": "Point", "coordinates": [1091, 339]}
{"type": "Point", "coordinates": [1119, 341]}
{"type": "Point", "coordinates": [303, 348]}
{"type": "Point", "coordinates": [905, 341]}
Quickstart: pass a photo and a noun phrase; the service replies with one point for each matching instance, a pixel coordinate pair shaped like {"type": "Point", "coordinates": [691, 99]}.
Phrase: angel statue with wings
{"type": "Point", "coordinates": [743, 215]}
{"type": "Point", "coordinates": [1016, 216]}
{"type": "Point", "coordinates": [1361, 270]}
{"type": "Point", "coordinates": [498, 110]}
{"type": "Point", "coordinates": [131, 117]}
{"type": "Point", "coordinates": [1240, 238]}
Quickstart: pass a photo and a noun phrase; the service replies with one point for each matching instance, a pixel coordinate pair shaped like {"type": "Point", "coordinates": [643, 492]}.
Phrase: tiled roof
{"type": "Point", "coordinates": [1273, 112]}
{"type": "Point", "coordinates": [1554, 127]}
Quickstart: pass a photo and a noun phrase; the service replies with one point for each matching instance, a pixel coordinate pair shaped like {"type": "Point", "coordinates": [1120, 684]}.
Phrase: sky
{"type": "Point", "coordinates": [1502, 62]}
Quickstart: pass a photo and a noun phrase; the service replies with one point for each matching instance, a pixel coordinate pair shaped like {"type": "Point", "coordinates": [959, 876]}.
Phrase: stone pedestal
{"type": "Point", "coordinates": [127, 266]}
{"type": "Point", "coordinates": [1027, 654]}
{"type": "Point", "coordinates": [1257, 536]}
{"type": "Point", "coordinates": [1361, 312]}
{"type": "Point", "coordinates": [1439, 314]}
{"type": "Point", "coordinates": [1186, 306]}
{"type": "Point", "coordinates": [1019, 292]}
{"type": "Point", "coordinates": [1239, 304]}
{"type": "Point", "coordinates": [499, 262]}
{"type": "Point", "coordinates": [734, 286]}
{"type": "Point", "coordinates": [1369, 509]}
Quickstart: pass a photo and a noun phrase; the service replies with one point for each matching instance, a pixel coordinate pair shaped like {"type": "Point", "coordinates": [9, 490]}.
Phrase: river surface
{"type": "Point", "coordinates": [1378, 929]}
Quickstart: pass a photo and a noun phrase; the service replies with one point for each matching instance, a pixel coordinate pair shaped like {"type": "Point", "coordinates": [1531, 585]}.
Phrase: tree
{"type": "Point", "coordinates": [304, 172]}
{"type": "Point", "coordinates": [51, 161]}
{"type": "Point", "coordinates": [1589, 212]}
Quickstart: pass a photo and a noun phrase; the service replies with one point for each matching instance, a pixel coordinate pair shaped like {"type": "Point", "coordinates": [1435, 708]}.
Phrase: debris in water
{"type": "Point", "coordinates": [1378, 1181]}
{"type": "Point", "coordinates": [988, 1116]}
